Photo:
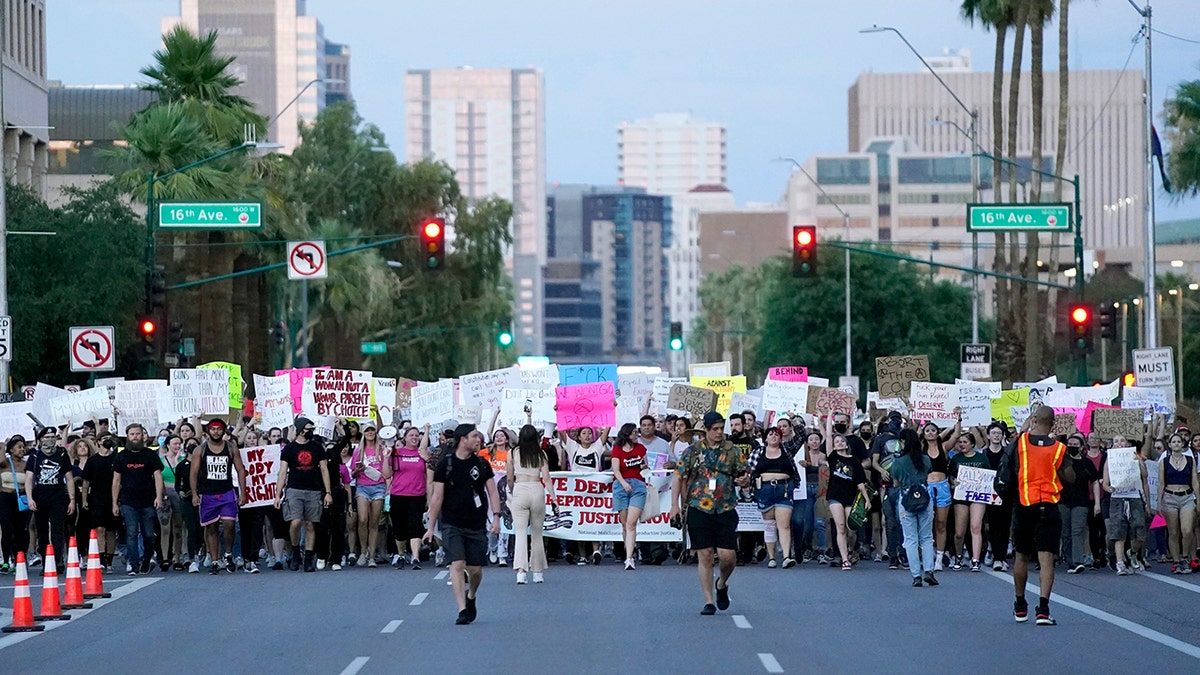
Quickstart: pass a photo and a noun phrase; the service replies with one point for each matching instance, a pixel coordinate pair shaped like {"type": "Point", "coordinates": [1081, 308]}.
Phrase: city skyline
{"type": "Point", "coordinates": [785, 97]}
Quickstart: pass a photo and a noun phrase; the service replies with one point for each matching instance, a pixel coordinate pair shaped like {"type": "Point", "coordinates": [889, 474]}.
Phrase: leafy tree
{"type": "Point", "coordinates": [1183, 134]}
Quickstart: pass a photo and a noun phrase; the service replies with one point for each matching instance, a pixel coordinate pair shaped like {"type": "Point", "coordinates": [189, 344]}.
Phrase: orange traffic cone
{"type": "Point", "coordinates": [51, 600]}
{"type": "Point", "coordinates": [22, 604]}
{"type": "Point", "coordinates": [73, 597]}
{"type": "Point", "coordinates": [94, 587]}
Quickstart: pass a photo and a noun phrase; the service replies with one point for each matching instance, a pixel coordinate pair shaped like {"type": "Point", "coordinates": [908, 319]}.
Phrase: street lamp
{"type": "Point", "coordinates": [319, 80]}
{"type": "Point", "coordinates": [846, 222]}
{"type": "Point", "coordinates": [1150, 261]}
{"type": "Point", "coordinates": [972, 133]}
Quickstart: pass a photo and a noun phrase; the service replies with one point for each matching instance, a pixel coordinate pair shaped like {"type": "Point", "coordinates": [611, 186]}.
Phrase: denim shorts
{"type": "Point", "coordinates": [940, 493]}
{"type": "Point", "coordinates": [774, 493]}
{"type": "Point", "coordinates": [635, 498]}
{"type": "Point", "coordinates": [372, 493]}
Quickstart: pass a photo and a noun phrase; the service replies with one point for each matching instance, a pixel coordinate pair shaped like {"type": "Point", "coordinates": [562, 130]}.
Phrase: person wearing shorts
{"type": "Point", "coordinates": [304, 470]}
{"type": "Point", "coordinates": [404, 470]}
{"type": "Point", "coordinates": [628, 487]}
{"type": "Point", "coordinates": [706, 480]}
{"type": "Point", "coordinates": [1128, 511]}
{"type": "Point", "coordinates": [776, 478]}
{"type": "Point", "coordinates": [214, 463]}
{"type": "Point", "coordinates": [464, 491]}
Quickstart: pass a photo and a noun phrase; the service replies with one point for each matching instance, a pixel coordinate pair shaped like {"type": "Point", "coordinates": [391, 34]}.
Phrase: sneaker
{"type": "Point", "coordinates": [878, 557]}
{"type": "Point", "coordinates": [335, 567]}
{"type": "Point", "coordinates": [930, 580]}
{"type": "Point", "coordinates": [822, 559]}
{"type": "Point", "coordinates": [708, 610]}
{"type": "Point", "coordinates": [1138, 566]}
{"type": "Point", "coordinates": [596, 558]}
{"type": "Point", "coordinates": [580, 561]}
{"type": "Point", "coordinates": [807, 557]}
{"type": "Point", "coordinates": [471, 611]}
{"type": "Point", "coordinates": [214, 568]}
{"type": "Point", "coordinates": [310, 562]}
{"type": "Point", "coordinates": [320, 564]}
{"type": "Point", "coordinates": [569, 558]}
{"type": "Point", "coordinates": [463, 619]}
{"type": "Point", "coordinates": [917, 582]}
{"type": "Point", "coordinates": [893, 565]}
{"type": "Point", "coordinates": [987, 558]}
{"type": "Point", "coordinates": [147, 566]}
{"type": "Point", "coordinates": [789, 563]}
{"type": "Point", "coordinates": [238, 563]}
{"type": "Point", "coordinates": [1076, 569]}
{"type": "Point", "coordinates": [521, 577]}
{"type": "Point", "coordinates": [416, 564]}
{"type": "Point", "coordinates": [723, 597]}
{"type": "Point", "coordinates": [277, 565]}
{"type": "Point", "coordinates": [362, 561]}
{"type": "Point", "coordinates": [846, 566]}
{"type": "Point", "coordinates": [1185, 569]}
{"type": "Point", "coordinates": [958, 564]}
{"type": "Point", "coordinates": [439, 557]}
{"type": "Point", "coordinates": [251, 567]}
{"type": "Point", "coordinates": [1044, 618]}
{"type": "Point", "coordinates": [1021, 611]}
{"type": "Point", "coordinates": [351, 559]}
{"type": "Point", "coordinates": [630, 565]}
{"type": "Point", "coordinates": [132, 572]}
{"type": "Point", "coordinates": [885, 555]}
{"type": "Point", "coordinates": [771, 564]}
{"type": "Point", "coordinates": [493, 558]}
{"type": "Point", "coordinates": [975, 566]}
{"type": "Point", "coordinates": [937, 562]}
{"type": "Point", "coordinates": [229, 562]}
{"type": "Point", "coordinates": [997, 566]}
{"type": "Point", "coordinates": [194, 568]}
{"type": "Point", "coordinates": [36, 561]}
{"type": "Point", "coordinates": [293, 563]}
{"type": "Point", "coordinates": [538, 578]}
{"type": "Point", "coordinates": [396, 560]}
{"type": "Point", "coordinates": [1122, 571]}
{"type": "Point", "coordinates": [371, 563]}
{"type": "Point", "coordinates": [1088, 560]}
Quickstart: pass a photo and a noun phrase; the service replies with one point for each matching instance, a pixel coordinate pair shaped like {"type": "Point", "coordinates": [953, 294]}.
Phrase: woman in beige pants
{"type": "Point", "coordinates": [529, 480]}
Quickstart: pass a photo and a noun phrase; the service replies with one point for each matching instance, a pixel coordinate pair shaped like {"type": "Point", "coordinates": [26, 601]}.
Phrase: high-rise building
{"type": "Point", "coordinates": [683, 257]}
{"type": "Point", "coordinates": [280, 56]}
{"type": "Point", "coordinates": [25, 92]}
{"type": "Point", "coordinates": [489, 126]}
{"type": "Point", "coordinates": [86, 123]}
{"type": "Point", "coordinates": [669, 154]}
{"type": "Point", "coordinates": [337, 73]}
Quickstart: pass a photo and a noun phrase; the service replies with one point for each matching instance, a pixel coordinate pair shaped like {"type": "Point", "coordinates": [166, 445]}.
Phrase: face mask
{"type": "Point", "coordinates": [840, 428]}
{"type": "Point", "coordinates": [865, 434]}
{"type": "Point", "coordinates": [161, 440]}
{"type": "Point", "coordinates": [47, 443]}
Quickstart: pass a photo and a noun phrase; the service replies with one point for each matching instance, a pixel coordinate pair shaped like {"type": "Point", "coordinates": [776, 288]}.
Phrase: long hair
{"type": "Point", "coordinates": [912, 446]}
{"type": "Point", "coordinates": [529, 447]}
{"type": "Point", "coordinates": [625, 435]}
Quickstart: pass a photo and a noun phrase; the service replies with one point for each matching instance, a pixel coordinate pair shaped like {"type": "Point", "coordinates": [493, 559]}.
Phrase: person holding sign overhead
{"type": "Point", "coordinates": [585, 454]}
{"type": "Point", "coordinates": [1129, 507]}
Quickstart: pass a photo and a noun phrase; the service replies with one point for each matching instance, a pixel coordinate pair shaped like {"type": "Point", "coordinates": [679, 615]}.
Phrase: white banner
{"type": "Point", "coordinates": [273, 401]}
{"type": "Point", "coordinates": [975, 485]}
{"type": "Point", "coordinates": [196, 392]}
{"type": "Point", "coordinates": [976, 402]}
{"type": "Point", "coordinates": [136, 402]}
{"type": "Point", "coordinates": [785, 396]}
{"type": "Point", "coordinates": [14, 419]}
{"type": "Point", "coordinates": [483, 390]}
{"type": "Point", "coordinates": [545, 377]}
{"type": "Point", "coordinates": [585, 509]}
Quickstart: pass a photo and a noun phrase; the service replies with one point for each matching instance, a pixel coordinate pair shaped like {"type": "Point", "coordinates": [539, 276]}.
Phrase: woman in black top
{"type": "Point", "coordinates": [937, 448]}
{"type": "Point", "coordinates": [775, 479]}
{"type": "Point", "coordinates": [846, 477]}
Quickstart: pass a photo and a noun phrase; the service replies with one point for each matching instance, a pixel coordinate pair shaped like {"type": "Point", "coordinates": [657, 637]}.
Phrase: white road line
{"type": "Point", "coordinates": [117, 594]}
{"type": "Point", "coordinates": [356, 665]}
{"type": "Point", "coordinates": [1120, 622]}
{"type": "Point", "coordinates": [769, 662]}
{"type": "Point", "coordinates": [442, 575]}
{"type": "Point", "coordinates": [392, 626]}
{"type": "Point", "coordinates": [38, 585]}
{"type": "Point", "coordinates": [741, 621]}
{"type": "Point", "coordinates": [1174, 582]}
{"type": "Point", "coordinates": [419, 598]}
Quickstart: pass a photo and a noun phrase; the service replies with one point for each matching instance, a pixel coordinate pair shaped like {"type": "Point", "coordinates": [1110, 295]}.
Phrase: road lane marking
{"type": "Point", "coordinates": [769, 662]}
{"type": "Point", "coordinates": [442, 575]}
{"type": "Point", "coordinates": [392, 626]}
{"type": "Point", "coordinates": [356, 665]}
{"type": "Point", "coordinates": [1120, 622]}
{"type": "Point", "coordinates": [741, 621]}
{"type": "Point", "coordinates": [117, 594]}
{"type": "Point", "coordinates": [1179, 583]}
{"type": "Point", "coordinates": [39, 585]}
{"type": "Point", "coordinates": [420, 597]}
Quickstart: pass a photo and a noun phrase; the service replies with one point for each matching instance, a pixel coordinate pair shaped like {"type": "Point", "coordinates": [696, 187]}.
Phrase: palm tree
{"type": "Point", "coordinates": [1182, 115]}
{"type": "Point", "coordinates": [1060, 157]}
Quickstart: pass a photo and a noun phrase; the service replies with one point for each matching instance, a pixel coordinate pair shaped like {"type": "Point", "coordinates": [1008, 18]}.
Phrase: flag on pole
{"type": "Point", "coordinates": [1156, 151]}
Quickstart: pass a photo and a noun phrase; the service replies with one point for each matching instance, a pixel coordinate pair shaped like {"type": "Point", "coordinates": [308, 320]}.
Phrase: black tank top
{"type": "Point", "coordinates": [216, 472]}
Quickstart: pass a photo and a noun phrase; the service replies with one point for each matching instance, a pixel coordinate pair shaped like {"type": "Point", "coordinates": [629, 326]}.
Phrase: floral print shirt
{"type": "Point", "coordinates": [710, 486]}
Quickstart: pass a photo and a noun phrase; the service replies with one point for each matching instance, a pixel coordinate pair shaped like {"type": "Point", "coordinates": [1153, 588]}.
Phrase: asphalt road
{"type": "Point", "coordinates": [589, 619]}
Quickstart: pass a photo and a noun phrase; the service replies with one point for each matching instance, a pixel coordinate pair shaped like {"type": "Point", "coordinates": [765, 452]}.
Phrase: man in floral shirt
{"type": "Point", "coordinates": [706, 480]}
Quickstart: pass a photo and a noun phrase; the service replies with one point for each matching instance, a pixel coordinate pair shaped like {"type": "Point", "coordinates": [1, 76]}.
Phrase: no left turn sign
{"type": "Point", "coordinates": [90, 349]}
{"type": "Point", "coordinates": [306, 260]}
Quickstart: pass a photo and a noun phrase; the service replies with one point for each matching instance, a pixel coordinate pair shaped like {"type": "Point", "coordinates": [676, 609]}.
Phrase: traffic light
{"type": "Point", "coordinates": [147, 329]}
{"type": "Point", "coordinates": [676, 336]}
{"type": "Point", "coordinates": [1081, 329]}
{"type": "Point", "coordinates": [156, 287]}
{"type": "Point", "coordinates": [504, 337]}
{"type": "Point", "coordinates": [1108, 322]}
{"type": "Point", "coordinates": [433, 242]}
{"type": "Point", "coordinates": [804, 250]}
{"type": "Point", "coordinates": [175, 337]}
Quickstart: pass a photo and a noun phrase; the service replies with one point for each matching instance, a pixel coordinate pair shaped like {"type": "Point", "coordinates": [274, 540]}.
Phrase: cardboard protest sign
{"type": "Point", "coordinates": [784, 396]}
{"type": "Point", "coordinates": [1003, 404]}
{"type": "Point", "coordinates": [932, 402]}
{"type": "Point", "coordinates": [586, 405]}
{"type": "Point", "coordinates": [826, 400]}
{"type": "Point", "coordinates": [236, 385]}
{"type": "Point", "coordinates": [724, 387]}
{"type": "Point", "coordinates": [692, 400]}
{"type": "Point", "coordinates": [136, 402]}
{"type": "Point", "coordinates": [588, 374]}
{"type": "Point", "coordinates": [80, 406]}
{"type": "Point", "coordinates": [1064, 424]}
{"type": "Point", "coordinates": [1113, 422]}
{"type": "Point", "coordinates": [975, 485]}
{"type": "Point", "coordinates": [739, 402]}
{"type": "Point", "coordinates": [482, 390]}
{"type": "Point", "coordinates": [895, 374]}
{"type": "Point", "coordinates": [976, 403]}
{"type": "Point", "coordinates": [717, 369]}
{"type": "Point", "coordinates": [273, 401]}
{"type": "Point", "coordinates": [196, 392]}
{"type": "Point", "coordinates": [337, 392]}
{"type": "Point", "coordinates": [262, 473]}
{"type": "Point", "coordinates": [432, 403]}
{"type": "Point", "coordinates": [1085, 422]}
{"type": "Point", "coordinates": [545, 377]}
{"type": "Point", "coordinates": [512, 407]}
{"type": "Point", "coordinates": [788, 374]}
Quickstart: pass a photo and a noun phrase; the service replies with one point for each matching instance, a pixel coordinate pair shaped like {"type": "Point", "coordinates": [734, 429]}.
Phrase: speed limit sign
{"type": "Point", "coordinates": [5, 338]}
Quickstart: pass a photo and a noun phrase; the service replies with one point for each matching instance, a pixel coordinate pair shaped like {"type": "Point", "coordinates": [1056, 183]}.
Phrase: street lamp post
{"type": "Point", "coordinates": [973, 132]}
{"type": "Point", "coordinates": [846, 225]}
{"type": "Point", "coordinates": [319, 80]}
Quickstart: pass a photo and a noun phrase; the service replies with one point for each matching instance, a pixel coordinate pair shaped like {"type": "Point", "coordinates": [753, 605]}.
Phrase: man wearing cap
{"type": "Point", "coordinates": [706, 480]}
{"type": "Point", "coordinates": [213, 464]}
{"type": "Point", "coordinates": [304, 470]}
{"type": "Point", "coordinates": [464, 491]}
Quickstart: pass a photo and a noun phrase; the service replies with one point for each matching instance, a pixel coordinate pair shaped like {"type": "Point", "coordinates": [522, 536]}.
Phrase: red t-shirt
{"type": "Point", "coordinates": [630, 462]}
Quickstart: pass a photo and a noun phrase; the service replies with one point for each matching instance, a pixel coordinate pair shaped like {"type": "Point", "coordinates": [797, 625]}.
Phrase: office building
{"type": "Point", "coordinates": [25, 92]}
{"type": "Point", "coordinates": [669, 154]}
{"type": "Point", "coordinates": [683, 257]}
{"type": "Point", "coordinates": [279, 52]}
{"type": "Point", "coordinates": [489, 126]}
{"type": "Point", "coordinates": [745, 237]}
{"type": "Point", "coordinates": [337, 73]}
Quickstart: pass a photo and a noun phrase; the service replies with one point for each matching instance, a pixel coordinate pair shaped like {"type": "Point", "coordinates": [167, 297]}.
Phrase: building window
{"type": "Point", "coordinates": [846, 171]}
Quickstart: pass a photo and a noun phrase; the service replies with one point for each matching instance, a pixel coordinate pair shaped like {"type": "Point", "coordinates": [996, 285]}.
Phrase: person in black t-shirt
{"type": "Point", "coordinates": [304, 470]}
{"type": "Point", "coordinates": [98, 498]}
{"type": "Point", "coordinates": [138, 486]}
{"type": "Point", "coordinates": [50, 488]}
{"type": "Point", "coordinates": [464, 489]}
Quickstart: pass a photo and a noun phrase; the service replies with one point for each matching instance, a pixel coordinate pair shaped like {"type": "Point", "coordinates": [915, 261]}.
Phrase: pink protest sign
{"type": "Point", "coordinates": [296, 377]}
{"type": "Point", "coordinates": [586, 405]}
{"type": "Point", "coordinates": [788, 374]}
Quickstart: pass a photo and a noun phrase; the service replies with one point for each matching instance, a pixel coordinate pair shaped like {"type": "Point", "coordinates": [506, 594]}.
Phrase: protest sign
{"type": "Point", "coordinates": [1085, 422]}
{"type": "Point", "coordinates": [785, 396]}
{"type": "Point", "coordinates": [975, 485]}
{"type": "Point", "coordinates": [262, 473]}
{"type": "Point", "coordinates": [383, 397]}
{"type": "Point", "coordinates": [273, 401]}
{"type": "Point", "coordinates": [1020, 413]}
{"type": "Point", "coordinates": [629, 410]}
{"type": "Point", "coordinates": [788, 374]}
{"type": "Point", "coordinates": [296, 378]}
{"type": "Point", "coordinates": [1067, 397]}
{"type": "Point", "coordinates": [724, 387]}
{"type": "Point", "coordinates": [136, 402]}
{"type": "Point", "coordinates": [662, 392]}
{"type": "Point", "coordinates": [512, 407]}
{"type": "Point", "coordinates": [885, 404]}
{"type": "Point", "coordinates": [237, 385]}
{"type": "Point", "coordinates": [589, 374]}
{"type": "Point", "coordinates": [1002, 405]}
{"type": "Point", "coordinates": [1123, 471]}
{"type": "Point", "coordinates": [14, 419]}
{"type": "Point", "coordinates": [1064, 424]}
{"type": "Point", "coordinates": [717, 369]}
{"type": "Point", "coordinates": [1152, 482]}
{"type": "Point", "coordinates": [640, 385]}
{"type": "Point", "coordinates": [482, 390]}
{"type": "Point", "coordinates": [894, 374]}
{"type": "Point", "coordinates": [694, 400]}
{"type": "Point", "coordinates": [43, 394]}
{"type": "Point", "coordinates": [1038, 390]}
{"type": "Point", "coordinates": [80, 406]}
{"type": "Point", "coordinates": [1113, 422]}
{"type": "Point", "coordinates": [975, 400]}
{"type": "Point", "coordinates": [196, 392]}
{"type": "Point", "coordinates": [1151, 401]}
{"type": "Point", "coordinates": [544, 377]}
{"type": "Point", "coordinates": [1104, 393]}
{"type": "Point", "coordinates": [404, 387]}
{"type": "Point", "coordinates": [586, 405]}
{"type": "Point", "coordinates": [432, 403]}
{"type": "Point", "coordinates": [585, 509]}
{"type": "Point", "coordinates": [932, 402]}
{"type": "Point", "coordinates": [826, 400]}
{"type": "Point", "coordinates": [336, 392]}
{"type": "Point", "coordinates": [739, 402]}
{"type": "Point", "coordinates": [468, 414]}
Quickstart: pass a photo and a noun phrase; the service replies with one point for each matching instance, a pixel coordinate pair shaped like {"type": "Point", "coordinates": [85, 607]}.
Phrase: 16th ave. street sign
{"type": "Point", "coordinates": [1019, 217]}
{"type": "Point", "coordinates": [179, 215]}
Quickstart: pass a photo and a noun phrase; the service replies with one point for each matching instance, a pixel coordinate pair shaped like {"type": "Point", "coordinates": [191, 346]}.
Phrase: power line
{"type": "Point", "coordinates": [1092, 126]}
{"type": "Point", "coordinates": [1176, 37]}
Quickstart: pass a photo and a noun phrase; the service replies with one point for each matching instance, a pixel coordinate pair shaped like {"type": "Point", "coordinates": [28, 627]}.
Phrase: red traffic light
{"type": "Point", "coordinates": [1128, 380]}
{"type": "Point", "coordinates": [432, 229]}
{"type": "Point", "coordinates": [1080, 315]}
{"type": "Point", "coordinates": [804, 237]}
{"type": "Point", "coordinates": [148, 326]}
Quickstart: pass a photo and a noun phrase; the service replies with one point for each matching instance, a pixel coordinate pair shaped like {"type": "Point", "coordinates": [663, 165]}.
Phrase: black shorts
{"type": "Point", "coordinates": [1037, 529]}
{"type": "Point", "coordinates": [712, 530]}
{"type": "Point", "coordinates": [466, 545]}
{"type": "Point", "coordinates": [101, 515]}
{"type": "Point", "coordinates": [407, 517]}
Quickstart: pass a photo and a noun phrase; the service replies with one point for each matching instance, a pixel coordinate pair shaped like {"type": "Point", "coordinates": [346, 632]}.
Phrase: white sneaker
{"type": "Point", "coordinates": [320, 563]}
{"type": "Point", "coordinates": [538, 578]}
{"type": "Point", "coordinates": [362, 561]}
{"type": "Point", "coordinates": [1121, 569]}
{"type": "Point", "coordinates": [194, 568]}
{"type": "Point", "coordinates": [336, 567]}
{"type": "Point", "coordinates": [250, 567]}
{"type": "Point", "coordinates": [937, 562]}
{"type": "Point", "coordinates": [630, 565]}
{"type": "Point", "coordinates": [395, 559]}
{"type": "Point", "coordinates": [1137, 566]}
{"type": "Point", "coordinates": [521, 577]}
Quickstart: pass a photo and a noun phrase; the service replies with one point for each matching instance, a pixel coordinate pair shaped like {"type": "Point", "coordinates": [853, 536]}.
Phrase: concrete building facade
{"type": "Point", "coordinates": [669, 154]}
{"type": "Point", "coordinates": [25, 98]}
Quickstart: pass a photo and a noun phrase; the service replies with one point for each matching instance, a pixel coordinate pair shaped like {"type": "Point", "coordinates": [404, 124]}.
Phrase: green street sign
{"type": "Point", "coordinates": [178, 215]}
{"type": "Point", "coordinates": [1054, 217]}
{"type": "Point", "coordinates": [374, 347]}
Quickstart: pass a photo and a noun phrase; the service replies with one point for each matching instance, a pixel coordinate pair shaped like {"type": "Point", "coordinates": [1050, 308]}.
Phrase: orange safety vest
{"type": "Point", "coordinates": [1037, 471]}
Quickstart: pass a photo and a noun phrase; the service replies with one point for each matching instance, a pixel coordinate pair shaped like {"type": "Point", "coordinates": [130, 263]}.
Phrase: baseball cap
{"type": "Point", "coordinates": [711, 418]}
{"type": "Point", "coordinates": [462, 431]}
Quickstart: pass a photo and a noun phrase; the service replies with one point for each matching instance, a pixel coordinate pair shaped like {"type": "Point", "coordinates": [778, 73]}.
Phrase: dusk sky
{"type": "Point", "coordinates": [774, 72]}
